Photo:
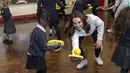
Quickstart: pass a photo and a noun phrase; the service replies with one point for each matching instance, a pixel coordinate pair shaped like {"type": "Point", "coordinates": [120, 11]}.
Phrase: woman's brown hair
{"type": "Point", "coordinates": [77, 14]}
{"type": "Point", "coordinates": [122, 23]}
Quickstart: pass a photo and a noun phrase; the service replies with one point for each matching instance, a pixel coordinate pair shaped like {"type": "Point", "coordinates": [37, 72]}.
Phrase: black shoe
{"type": "Point", "coordinates": [10, 42]}
{"type": "Point", "coordinates": [7, 42]}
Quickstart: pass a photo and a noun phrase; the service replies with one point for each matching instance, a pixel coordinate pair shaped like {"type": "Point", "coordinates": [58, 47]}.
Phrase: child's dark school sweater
{"type": "Point", "coordinates": [38, 43]}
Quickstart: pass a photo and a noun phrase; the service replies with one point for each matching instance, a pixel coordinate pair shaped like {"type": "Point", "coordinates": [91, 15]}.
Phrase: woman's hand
{"type": "Point", "coordinates": [98, 44]}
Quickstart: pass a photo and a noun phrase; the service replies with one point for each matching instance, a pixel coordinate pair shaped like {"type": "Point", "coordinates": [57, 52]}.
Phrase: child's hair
{"type": "Point", "coordinates": [1, 6]}
{"type": "Point", "coordinates": [77, 14]}
{"type": "Point", "coordinates": [42, 14]}
{"type": "Point", "coordinates": [5, 3]}
{"type": "Point", "coordinates": [122, 22]}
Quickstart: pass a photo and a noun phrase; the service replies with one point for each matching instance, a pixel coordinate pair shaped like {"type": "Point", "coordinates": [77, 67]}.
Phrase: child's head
{"type": "Point", "coordinates": [5, 4]}
{"type": "Point", "coordinates": [43, 17]}
{"type": "Point", "coordinates": [1, 6]}
{"type": "Point", "coordinates": [122, 22]}
{"type": "Point", "coordinates": [78, 21]}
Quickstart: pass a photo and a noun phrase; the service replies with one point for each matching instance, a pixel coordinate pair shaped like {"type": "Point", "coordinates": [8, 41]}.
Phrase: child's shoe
{"type": "Point", "coordinates": [10, 42]}
{"type": "Point", "coordinates": [82, 64]}
{"type": "Point", "coordinates": [7, 42]}
{"type": "Point", "coordinates": [99, 61]}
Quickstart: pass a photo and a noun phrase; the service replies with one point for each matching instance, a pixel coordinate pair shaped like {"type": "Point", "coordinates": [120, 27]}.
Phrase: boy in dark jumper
{"type": "Point", "coordinates": [38, 43]}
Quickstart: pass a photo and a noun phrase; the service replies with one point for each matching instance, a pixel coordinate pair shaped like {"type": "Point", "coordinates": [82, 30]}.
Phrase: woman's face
{"type": "Point", "coordinates": [77, 22]}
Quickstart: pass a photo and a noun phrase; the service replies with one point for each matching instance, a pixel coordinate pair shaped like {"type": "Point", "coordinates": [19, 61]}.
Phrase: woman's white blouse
{"type": "Point", "coordinates": [95, 24]}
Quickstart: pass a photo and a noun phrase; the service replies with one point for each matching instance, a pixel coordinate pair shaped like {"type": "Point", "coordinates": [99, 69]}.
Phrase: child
{"type": "Point", "coordinates": [81, 26]}
{"type": "Point", "coordinates": [121, 55]}
{"type": "Point", "coordinates": [49, 5]}
{"type": "Point", "coordinates": [9, 26]}
{"type": "Point", "coordinates": [38, 43]}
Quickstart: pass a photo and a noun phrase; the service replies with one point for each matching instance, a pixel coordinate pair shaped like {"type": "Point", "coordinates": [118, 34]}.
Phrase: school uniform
{"type": "Point", "coordinates": [80, 5]}
{"type": "Point", "coordinates": [96, 30]}
{"type": "Point", "coordinates": [9, 26]}
{"type": "Point", "coordinates": [121, 54]}
{"type": "Point", "coordinates": [37, 49]}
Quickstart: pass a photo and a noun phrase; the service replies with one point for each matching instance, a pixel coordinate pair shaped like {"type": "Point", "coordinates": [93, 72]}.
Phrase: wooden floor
{"type": "Point", "coordinates": [13, 57]}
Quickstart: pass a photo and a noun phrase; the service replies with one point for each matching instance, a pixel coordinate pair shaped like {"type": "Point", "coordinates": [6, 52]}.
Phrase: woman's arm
{"type": "Point", "coordinates": [100, 28]}
{"type": "Point", "coordinates": [75, 42]}
{"type": "Point", "coordinates": [100, 32]}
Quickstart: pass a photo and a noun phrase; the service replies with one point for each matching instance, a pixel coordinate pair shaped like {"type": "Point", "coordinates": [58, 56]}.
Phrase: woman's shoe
{"type": "Point", "coordinates": [99, 61]}
{"type": "Point", "coordinates": [82, 64]}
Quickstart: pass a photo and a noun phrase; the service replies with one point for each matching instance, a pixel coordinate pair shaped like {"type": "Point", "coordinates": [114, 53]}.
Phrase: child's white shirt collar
{"type": "Point", "coordinates": [41, 27]}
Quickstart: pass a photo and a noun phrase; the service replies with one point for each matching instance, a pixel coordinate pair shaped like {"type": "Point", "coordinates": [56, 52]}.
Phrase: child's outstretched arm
{"type": "Point", "coordinates": [42, 42]}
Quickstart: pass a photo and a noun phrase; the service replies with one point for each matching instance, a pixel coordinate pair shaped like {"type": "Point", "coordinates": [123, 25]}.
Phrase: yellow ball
{"type": "Point", "coordinates": [77, 51]}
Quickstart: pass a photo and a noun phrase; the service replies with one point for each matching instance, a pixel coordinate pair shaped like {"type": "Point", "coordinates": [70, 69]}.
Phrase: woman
{"type": "Point", "coordinates": [81, 26]}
